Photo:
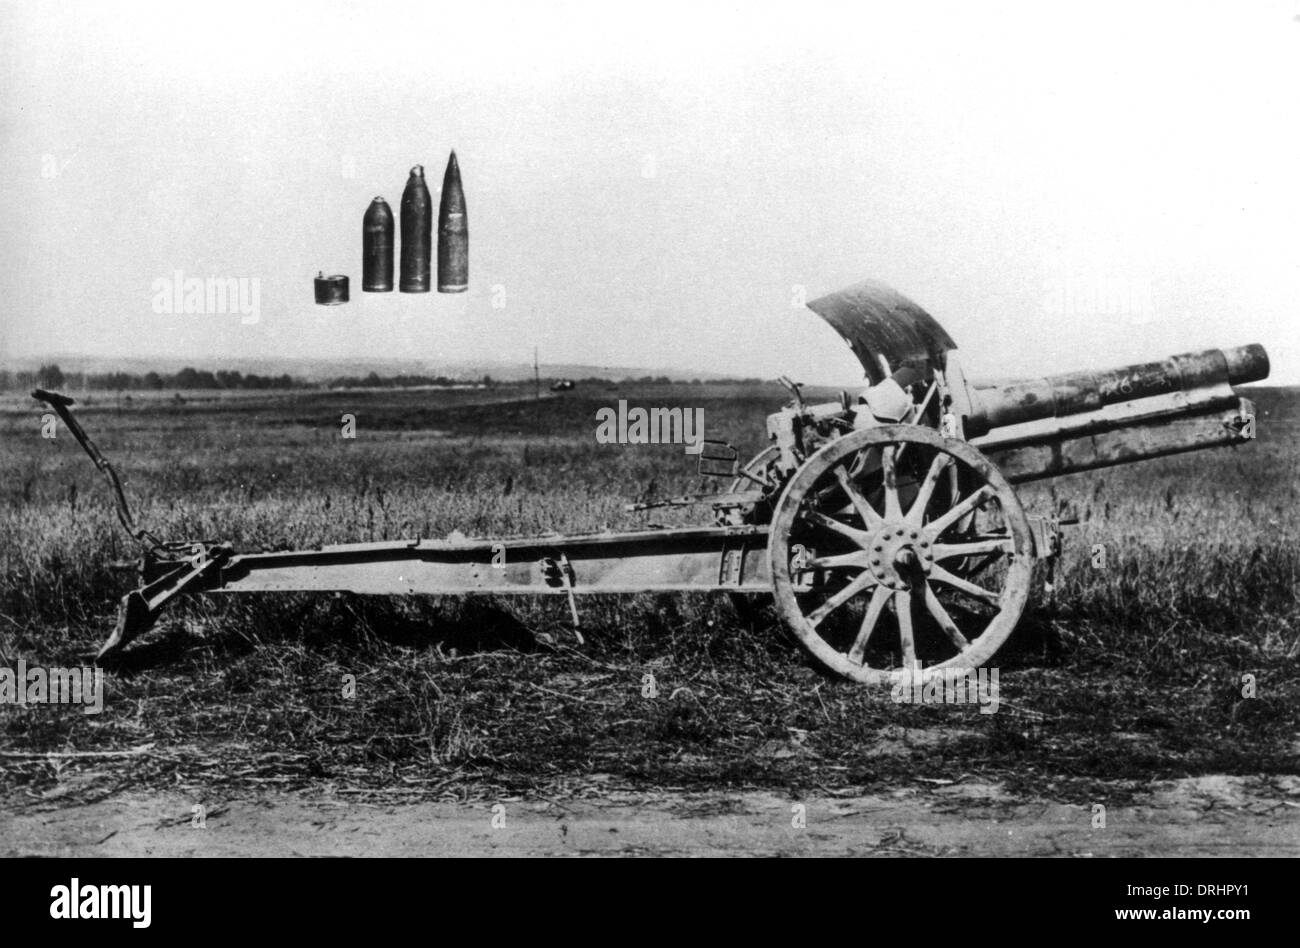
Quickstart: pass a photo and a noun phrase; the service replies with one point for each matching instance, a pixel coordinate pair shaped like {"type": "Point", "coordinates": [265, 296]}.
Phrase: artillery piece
{"type": "Point", "coordinates": [886, 526]}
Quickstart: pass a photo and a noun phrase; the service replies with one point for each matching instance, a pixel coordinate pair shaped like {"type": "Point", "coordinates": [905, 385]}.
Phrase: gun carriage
{"type": "Point", "coordinates": [885, 525]}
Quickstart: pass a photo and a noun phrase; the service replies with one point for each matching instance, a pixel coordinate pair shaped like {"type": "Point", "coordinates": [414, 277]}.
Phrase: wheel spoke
{"type": "Point", "coordinates": [956, 582]}
{"type": "Point", "coordinates": [946, 551]}
{"type": "Point", "coordinates": [855, 560]}
{"type": "Point", "coordinates": [941, 616]}
{"type": "Point", "coordinates": [981, 496]}
{"type": "Point", "coordinates": [859, 537]}
{"type": "Point", "coordinates": [840, 598]}
{"type": "Point", "coordinates": [903, 606]}
{"type": "Point", "coordinates": [937, 466]}
{"type": "Point", "coordinates": [869, 621]}
{"type": "Point", "coordinates": [870, 518]}
{"type": "Point", "coordinates": [893, 509]}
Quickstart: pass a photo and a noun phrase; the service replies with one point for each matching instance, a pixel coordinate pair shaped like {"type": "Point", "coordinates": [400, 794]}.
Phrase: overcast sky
{"type": "Point", "coordinates": [658, 184]}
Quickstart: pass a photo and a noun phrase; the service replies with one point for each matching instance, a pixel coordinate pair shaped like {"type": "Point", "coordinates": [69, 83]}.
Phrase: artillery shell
{"type": "Point", "coordinates": [331, 290]}
{"type": "Point", "coordinates": [417, 234]}
{"type": "Point", "coordinates": [453, 233]}
{"type": "Point", "coordinates": [377, 248]}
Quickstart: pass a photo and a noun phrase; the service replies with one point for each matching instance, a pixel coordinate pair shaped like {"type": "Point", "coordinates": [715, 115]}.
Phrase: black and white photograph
{"type": "Point", "coordinates": [690, 429]}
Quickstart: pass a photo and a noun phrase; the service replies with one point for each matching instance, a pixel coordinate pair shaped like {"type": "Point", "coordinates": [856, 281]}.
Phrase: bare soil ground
{"type": "Point", "coordinates": [1203, 816]}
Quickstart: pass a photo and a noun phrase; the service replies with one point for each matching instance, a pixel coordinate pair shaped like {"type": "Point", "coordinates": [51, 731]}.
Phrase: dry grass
{"type": "Point", "coordinates": [1133, 671]}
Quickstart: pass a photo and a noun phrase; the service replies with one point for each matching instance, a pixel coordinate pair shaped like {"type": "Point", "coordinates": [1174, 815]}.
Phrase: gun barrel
{"type": "Point", "coordinates": [1073, 392]}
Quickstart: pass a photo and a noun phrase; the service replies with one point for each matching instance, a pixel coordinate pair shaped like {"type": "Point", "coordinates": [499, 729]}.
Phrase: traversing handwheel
{"type": "Point", "coordinates": [895, 547]}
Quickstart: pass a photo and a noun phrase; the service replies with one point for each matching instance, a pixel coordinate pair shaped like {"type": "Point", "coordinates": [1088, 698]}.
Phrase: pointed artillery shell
{"type": "Point", "coordinates": [453, 233]}
{"type": "Point", "coordinates": [417, 234]}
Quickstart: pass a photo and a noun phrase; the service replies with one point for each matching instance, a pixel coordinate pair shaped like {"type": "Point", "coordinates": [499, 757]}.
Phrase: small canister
{"type": "Point", "coordinates": [331, 290]}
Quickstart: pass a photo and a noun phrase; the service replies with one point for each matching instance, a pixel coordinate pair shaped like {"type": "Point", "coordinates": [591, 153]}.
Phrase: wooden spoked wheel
{"type": "Point", "coordinates": [759, 472]}
{"type": "Point", "coordinates": [895, 547]}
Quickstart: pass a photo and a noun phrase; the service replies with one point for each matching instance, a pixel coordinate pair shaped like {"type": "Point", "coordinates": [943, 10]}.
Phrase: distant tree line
{"type": "Point", "coordinates": [665, 380]}
{"type": "Point", "coordinates": [375, 380]}
{"type": "Point", "coordinates": [52, 377]}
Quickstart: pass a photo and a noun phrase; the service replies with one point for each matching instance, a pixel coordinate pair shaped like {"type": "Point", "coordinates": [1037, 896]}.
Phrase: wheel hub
{"type": "Point", "coordinates": [897, 552]}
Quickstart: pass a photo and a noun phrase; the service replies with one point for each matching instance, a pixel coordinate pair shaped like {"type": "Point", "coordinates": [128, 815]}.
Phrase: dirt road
{"type": "Point", "coordinates": [1205, 816]}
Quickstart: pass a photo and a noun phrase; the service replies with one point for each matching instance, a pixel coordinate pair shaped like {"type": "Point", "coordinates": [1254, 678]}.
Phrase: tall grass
{"type": "Point", "coordinates": [1198, 587]}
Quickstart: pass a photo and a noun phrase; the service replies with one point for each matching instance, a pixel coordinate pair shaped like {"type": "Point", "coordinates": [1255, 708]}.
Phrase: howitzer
{"type": "Point", "coordinates": [885, 525]}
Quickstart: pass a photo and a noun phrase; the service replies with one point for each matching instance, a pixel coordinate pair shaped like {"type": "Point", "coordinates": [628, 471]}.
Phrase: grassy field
{"type": "Point", "coordinates": [1132, 671]}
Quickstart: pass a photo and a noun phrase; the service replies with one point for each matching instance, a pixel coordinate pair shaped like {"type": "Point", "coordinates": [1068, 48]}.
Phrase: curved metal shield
{"type": "Point", "coordinates": [878, 321]}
